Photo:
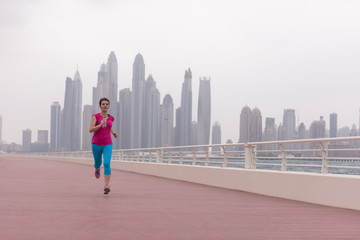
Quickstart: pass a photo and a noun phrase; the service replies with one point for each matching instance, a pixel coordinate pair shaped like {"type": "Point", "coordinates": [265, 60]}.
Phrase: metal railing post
{"type": "Point", "coordinates": [207, 156]}
{"type": "Point", "coordinates": [170, 159]}
{"type": "Point", "coordinates": [181, 157]}
{"type": "Point", "coordinates": [194, 156]}
{"type": "Point", "coordinates": [250, 157]}
{"type": "Point", "coordinates": [225, 163]}
{"type": "Point", "coordinates": [159, 158]}
{"type": "Point", "coordinates": [283, 158]}
{"type": "Point", "coordinates": [324, 167]}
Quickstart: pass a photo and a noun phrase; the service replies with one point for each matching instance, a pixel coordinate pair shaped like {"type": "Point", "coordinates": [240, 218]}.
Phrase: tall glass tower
{"type": "Point", "coordinates": [125, 118]}
{"type": "Point", "coordinates": [137, 100]}
{"type": "Point", "coordinates": [204, 112]}
{"type": "Point", "coordinates": [167, 121]}
{"type": "Point", "coordinates": [112, 76]}
{"type": "Point", "coordinates": [333, 125]}
{"type": "Point", "coordinates": [55, 126]}
{"type": "Point", "coordinates": [186, 110]}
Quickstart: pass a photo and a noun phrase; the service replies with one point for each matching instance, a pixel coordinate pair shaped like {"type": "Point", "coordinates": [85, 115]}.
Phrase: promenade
{"type": "Point", "coordinates": [41, 199]}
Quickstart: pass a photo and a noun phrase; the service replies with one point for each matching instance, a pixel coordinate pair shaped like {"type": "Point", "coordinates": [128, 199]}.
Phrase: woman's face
{"type": "Point", "coordinates": [104, 106]}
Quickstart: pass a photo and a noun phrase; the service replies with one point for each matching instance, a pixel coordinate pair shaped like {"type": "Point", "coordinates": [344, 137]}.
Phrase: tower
{"type": "Point", "coordinates": [216, 136]}
{"type": "Point", "coordinates": [137, 100]}
{"type": "Point", "coordinates": [125, 118]}
{"type": "Point", "coordinates": [167, 121]}
{"type": "Point", "coordinates": [245, 120]}
{"type": "Point", "coordinates": [55, 126]}
{"type": "Point", "coordinates": [204, 112]}
{"type": "Point", "coordinates": [112, 76]}
{"type": "Point", "coordinates": [186, 110]}
{"type": "Point", "coordinates": [333, 125]}
{"type": "Point", "coordinates": [151, 131]}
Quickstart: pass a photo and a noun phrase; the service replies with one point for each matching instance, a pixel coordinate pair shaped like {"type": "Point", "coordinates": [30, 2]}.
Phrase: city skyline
{"type": "Point", "coordinates": [267, 55]}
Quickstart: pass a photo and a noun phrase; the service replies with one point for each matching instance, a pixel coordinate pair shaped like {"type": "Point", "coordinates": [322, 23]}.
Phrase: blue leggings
{"type": "Point", "coordinates": [98, 151]}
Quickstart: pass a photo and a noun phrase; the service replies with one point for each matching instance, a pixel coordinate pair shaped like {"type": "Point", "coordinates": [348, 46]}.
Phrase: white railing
{"type": "Point", "coordinates": [320, 155]}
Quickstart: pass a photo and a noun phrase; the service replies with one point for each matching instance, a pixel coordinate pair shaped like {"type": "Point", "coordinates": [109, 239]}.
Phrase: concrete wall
{"type": "Point", "coordinates": [325, 189]}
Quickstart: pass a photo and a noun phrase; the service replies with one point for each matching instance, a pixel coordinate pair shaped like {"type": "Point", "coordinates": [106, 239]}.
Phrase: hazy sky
{"type": "Point", "coordinates": [272, 55]}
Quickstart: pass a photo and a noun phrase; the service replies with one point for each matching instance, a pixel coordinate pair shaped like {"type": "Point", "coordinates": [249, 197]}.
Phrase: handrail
{"type": "Point", "coordinates": [320, 155]}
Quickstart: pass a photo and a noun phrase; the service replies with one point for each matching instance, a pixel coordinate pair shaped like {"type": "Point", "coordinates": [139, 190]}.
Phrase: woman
{"type": "Point", "coordinates": [101, 126]}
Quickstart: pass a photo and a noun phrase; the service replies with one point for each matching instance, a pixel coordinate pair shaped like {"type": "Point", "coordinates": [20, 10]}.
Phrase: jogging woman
{"type": "Point", "coordinates": [101, 126]}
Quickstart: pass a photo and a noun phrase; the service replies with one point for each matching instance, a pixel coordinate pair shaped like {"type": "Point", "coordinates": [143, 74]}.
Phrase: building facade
{"type": "Point", "coordinates": [167, 121]}
{"type": "Point", "coordinates": [138, 101]}
{"type": "Point", "coordinates": [204, 112]}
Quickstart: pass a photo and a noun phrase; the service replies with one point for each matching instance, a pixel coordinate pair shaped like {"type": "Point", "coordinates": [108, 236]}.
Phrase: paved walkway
{"type": "Point", "coordinates": [42, 199]}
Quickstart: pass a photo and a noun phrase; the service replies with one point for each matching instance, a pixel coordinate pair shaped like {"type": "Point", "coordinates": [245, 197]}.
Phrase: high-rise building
{"type": "Point", "coordinates": [317, 128]}
{"type": "Point", "coordinates": [125, 118]}
{"type": "Point", "coordinates": [255, 126]}
{"type": "Point", "coordinates": [167, 121]}
{"type": "Point", "coordinates": [302, 133]}
{"type": "Point", "coordinates": [177, 128]}
{"type": "Point", "coordinates": [55, 127]}
{"type": "Point", "coordinates": [270, 133]}
{"type": "Point", "coordinates": [0, 129]}
{"type": "Point", "coordinates": [193, 134]}
{"type": "Point", "coordinates": [71, 126]}
{"type": "Point", "coordinates": [86, 135]}
{"type": "Point", "coordinates": [245, 121]}
{"type": "Point", "coordinates": [151, 130]}
{"type": "Point", "coordinates": [107, 83]}
{"type": "Point", "coordinates": [270, 129]}
{"type": "Point", "coordinates": [26, 140]}
{"type": "Point", "coordinates": [216, 136]}
{"type": "Point", "coordinates": [204, 112]}
{"type": "Point", "coordinates": [137, 100]}
{"type": "Point", "coordinates": [43, 136]}
{"type": "Point", "coordinates": [102, 87]}
{"type": "Point", "coordinates": [289, 124]}
{"type": "Point", "coordinates": [333, 125]}
{"type": "Point", "coordinates": [186, 110]}
{"type": "Point", "coordinates": [112, 75]}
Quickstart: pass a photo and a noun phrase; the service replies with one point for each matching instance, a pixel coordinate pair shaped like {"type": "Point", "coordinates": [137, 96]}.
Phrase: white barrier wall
{"type": "Point", "coordinates": [324, 189]}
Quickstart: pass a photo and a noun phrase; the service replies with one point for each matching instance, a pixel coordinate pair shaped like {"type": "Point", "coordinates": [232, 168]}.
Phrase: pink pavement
{"type": "Point", "coordinates": [42, 199]}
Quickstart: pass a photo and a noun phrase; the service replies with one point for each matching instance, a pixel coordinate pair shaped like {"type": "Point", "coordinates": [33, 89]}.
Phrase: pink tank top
{"type": "Point", "coordinates": [102, 136]}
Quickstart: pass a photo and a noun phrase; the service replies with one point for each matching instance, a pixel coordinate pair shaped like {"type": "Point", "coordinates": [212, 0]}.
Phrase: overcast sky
{"type": "Point", "coordinates": [272, 55]}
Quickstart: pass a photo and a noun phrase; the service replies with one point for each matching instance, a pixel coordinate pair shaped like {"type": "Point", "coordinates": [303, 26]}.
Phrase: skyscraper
{"type": "Point", "coordinates": [107, 83]}
{"type": "Point", "coordinates": [167, 121]}
{"type": "Point", "coordinates": [255, 126]}
{"type": "Point", "coordinates": [125, 118]}
{"type": "Point", "coordinates": [333, 125]}
{"type": "Point", "coordinates": [245, 121]}
{"type": "Point", "coordinates": [112, 75]}
{"type": "Point", "coordinates": [193, 135]}
{"type": "Point", "coordinates": [204, 112]}
{"type": "Point", "coordinates": [137, 100]}
{"type": "Point", "coordinates": [71, 127]}
{"type": "Point", "coordinates": [26, 140]}
{"type": "Point", "coordinates": [269, 133]}
{"type": "Point", "coordinates": [186, 110]}
{"type": "Point", "coordinates": [86, 135]}
{"type": "Point", "coordinates": [55, 127]}
{"type": "Point", "coordinates": [289, 124]}
{"type": "Point", "coordinates": [177, 129]}
{"type": "Point", "coordinates": [317, 128]}
{"type": "Point", "coordinates": [216, 136]}
{"type": "Point", "coordinates": [151, 136]}
{"type": "Point", "coordinates": [43, 136]}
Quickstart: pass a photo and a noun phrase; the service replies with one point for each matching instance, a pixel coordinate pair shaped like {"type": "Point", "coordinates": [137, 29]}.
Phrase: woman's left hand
{"type": "Point", "coordinates": [115, 134]}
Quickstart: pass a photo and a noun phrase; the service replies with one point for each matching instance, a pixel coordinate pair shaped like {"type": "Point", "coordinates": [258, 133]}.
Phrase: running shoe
{"type": "Point", "coordinates": [97, 172]}
{"type": "Point", "coordinates": [106, 189]}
